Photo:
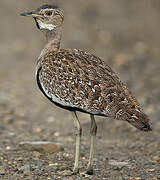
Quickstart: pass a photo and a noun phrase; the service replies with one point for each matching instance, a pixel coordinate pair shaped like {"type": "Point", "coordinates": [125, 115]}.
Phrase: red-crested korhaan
{"type": "Point", "coordinates": [80, 81]}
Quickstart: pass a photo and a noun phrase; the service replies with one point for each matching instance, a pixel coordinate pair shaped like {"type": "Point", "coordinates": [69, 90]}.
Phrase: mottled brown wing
{"type": "Point", "coordinates": [77, 79]}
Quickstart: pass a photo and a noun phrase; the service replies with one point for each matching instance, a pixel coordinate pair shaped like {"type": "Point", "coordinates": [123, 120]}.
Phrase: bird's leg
{"type": "Point", "coordinates": [78, 133]}
{"type": "Point", "coordinates": [93, 132]}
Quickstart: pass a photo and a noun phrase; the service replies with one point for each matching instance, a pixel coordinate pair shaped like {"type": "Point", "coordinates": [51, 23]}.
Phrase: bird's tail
{"type": "Point", "coordinates": [140, 120]}
{"type": "Point", "coordinates": [132, 112]}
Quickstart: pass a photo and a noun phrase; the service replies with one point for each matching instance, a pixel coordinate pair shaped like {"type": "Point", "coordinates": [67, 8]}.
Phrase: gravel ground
{"type": "Point", "coordinates": [126, 35]}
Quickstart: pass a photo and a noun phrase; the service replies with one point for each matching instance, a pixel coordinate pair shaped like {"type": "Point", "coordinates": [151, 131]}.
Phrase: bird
{"type": "Point", "coordinates": [76, 80]}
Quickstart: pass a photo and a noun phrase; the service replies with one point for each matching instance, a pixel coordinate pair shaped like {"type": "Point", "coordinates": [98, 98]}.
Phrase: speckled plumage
{"type": "Point", "coordinates": [76, 79]}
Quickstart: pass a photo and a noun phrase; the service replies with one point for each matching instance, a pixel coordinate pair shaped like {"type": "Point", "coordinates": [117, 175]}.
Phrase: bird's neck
{"type": "Point", "coordinates": [53, 39]}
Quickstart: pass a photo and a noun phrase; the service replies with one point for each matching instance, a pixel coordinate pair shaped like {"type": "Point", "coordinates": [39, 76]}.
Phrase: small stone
{"type": "Point", "coordinates": [150, 170]}
{"type": "Point", "coordinates": [67, 155]}
{"type": "Point", "coordinates": [41, 146]}
{"type": "Point", "coordinates": [53, 164]}
{"type": "Point", "coordinates": [57, 134]}
{"type": "Point", "coordinates": [36, 154]}
{"type": "Point", "coordinates": [116, 163]}
{"type": "Point", "coordinates": [11, 133]}
{"type": "Point", "coordinates": [8, 148]}
{"type": "Point", "coordinates": [19, 159]}
{"type": "Point", "coordinates": [156, 158]}
{"type": "Point", "coordinates": [2, 170]}
{"type": "Point", "coordinates": [26, 169]}
{"type": "Point", "coordinates": [37, 130]}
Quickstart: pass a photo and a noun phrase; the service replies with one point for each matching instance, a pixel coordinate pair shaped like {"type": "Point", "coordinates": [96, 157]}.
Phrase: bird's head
{"type": "Point", "coordinates": [47, 17]}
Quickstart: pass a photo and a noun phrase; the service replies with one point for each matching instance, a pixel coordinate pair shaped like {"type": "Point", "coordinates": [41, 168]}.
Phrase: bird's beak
{"type": "Point", "coordinates": [30, 14]}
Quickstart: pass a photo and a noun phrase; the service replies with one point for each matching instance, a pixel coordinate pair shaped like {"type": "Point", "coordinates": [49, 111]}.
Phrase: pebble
{"type": "Point", "coordinates": [19, 159]}
{"type": "Point", "coordinates": [156, 158]}
{"type": "Point", "coordinates": [116, 163]}
{"type": "Point", "coordinates": [41, 146]}
{"type": "Point", "coordinates": [26, 169]}
{"type": "Point", "coordinates": [8, 148]}
{"type": "Point", "coordinates": [57, 134]}
{"type": "Point", "coordinates": [150, 170]}
{"type": "Point", "coordinates": [37, 130]}
{"type": "Point", "coordinates": [135, 178]}
{"type": "Point", "coordinates": [2, 170]}
{"type": "Point", "coordinates": [53, 164]}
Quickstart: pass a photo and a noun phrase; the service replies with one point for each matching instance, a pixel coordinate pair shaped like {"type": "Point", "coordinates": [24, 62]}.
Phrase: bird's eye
{"type": "Point", "coordinates": [48, 13]}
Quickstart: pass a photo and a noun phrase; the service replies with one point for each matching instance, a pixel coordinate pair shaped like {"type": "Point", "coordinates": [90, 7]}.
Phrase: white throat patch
{"type": "Point", "coordinates": [45, 26]}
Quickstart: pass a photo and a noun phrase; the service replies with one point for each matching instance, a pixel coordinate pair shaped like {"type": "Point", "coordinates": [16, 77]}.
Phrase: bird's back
{"type": "Point", "coordinates": [74, 79]}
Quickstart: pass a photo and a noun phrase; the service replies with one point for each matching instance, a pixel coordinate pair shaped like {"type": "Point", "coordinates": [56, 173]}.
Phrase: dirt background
{"type": "Point", "coordinates": [126, 35]}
